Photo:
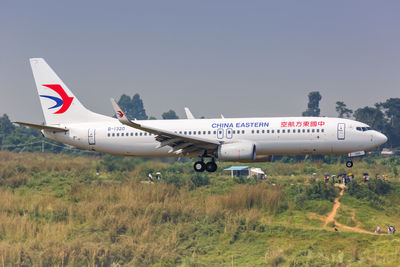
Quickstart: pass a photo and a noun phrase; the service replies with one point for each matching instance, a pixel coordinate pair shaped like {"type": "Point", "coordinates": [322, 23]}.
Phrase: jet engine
{"type": "Point", "coordinates": [241, 152]}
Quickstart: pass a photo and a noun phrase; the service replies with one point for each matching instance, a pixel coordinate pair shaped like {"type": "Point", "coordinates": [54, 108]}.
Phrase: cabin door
{"type": "Point", "coordinates": [92, 136]}
{"type": "Point", "coordinates": [341, 131]}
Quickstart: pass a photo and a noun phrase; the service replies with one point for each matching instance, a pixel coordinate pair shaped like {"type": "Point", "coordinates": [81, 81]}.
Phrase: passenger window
{"type": "Point", "coordinates": [199, 132]}
{"type": "Point", "coordinates": [185, 132]}
{"type": "Point", "coordinates": [288, 131]}
{"type": "Point", "coordinates": [278, 131]}
{"type": "Point", "coordinates": [272, 131]}
{"type": "Point", "coordinates": [267, 131]}
{"type": "Point", "coordinates": [304, 130]}
{"type": "Point", "coordinates": [113, 134]}
{"type": "Point", "coordinates": [308, 130]}
{"type": "Point", "coordinates": [145, 134]}
{"type": "Point", "coordinates": [298, 130]}
{"type": "Point", "coordinates": [283, 131]}
{"type": "Point", "coordinates": [322, 130]}
{"type": "Point", "coordinates": [215, 132]}
{"type": "Point", "coordinates": [122, 134]}
{"type": "Point", "coordinates": [131, 134]}
{"type": "Point", "coordinates": [108, 134]}
{"type": "Point", "coordinates": [317, 130]}
{"type": "Point", "coordinates": [258, 131]}
{"type": "Point", "coordinates": [135, 134]}
{"type": "Point", "coordinates": [243, 132]}
{"type": "Point", "coordinates": [204, 132]}
{"type": "Point", "coordinates": [252, 131]}
{"type": "Point", "coordinates": [141, 134]}
{"type": "Point", "coordinates": [313, 130]}
{"type": "Point", "coordinates": [194, 132]}
{"type": "Point", "coordinates": [209, 132]}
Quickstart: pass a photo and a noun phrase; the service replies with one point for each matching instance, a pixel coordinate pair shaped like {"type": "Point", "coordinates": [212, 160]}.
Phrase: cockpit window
{"type": "Point", "coordinates": [363, 129]}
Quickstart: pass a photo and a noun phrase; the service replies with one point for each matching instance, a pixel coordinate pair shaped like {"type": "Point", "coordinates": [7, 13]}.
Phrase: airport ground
{"type": "Point", "coordinates": [66, 210]}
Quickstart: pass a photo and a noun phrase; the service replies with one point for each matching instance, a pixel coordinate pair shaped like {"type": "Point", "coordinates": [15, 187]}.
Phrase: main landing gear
{"type": "Point", "coordinates": [200, 166]}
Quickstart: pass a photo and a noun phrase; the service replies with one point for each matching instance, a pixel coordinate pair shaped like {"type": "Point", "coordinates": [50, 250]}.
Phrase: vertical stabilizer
{"type": "Point", "coordinates": [59, 104]}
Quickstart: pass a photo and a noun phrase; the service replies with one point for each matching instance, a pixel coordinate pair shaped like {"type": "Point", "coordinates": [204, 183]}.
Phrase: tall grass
{"type": "Point", "coordinates": [72, 211]}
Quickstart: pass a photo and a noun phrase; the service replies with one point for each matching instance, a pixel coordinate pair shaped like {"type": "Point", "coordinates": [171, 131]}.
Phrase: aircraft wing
{"type": "Point", "coordinates": [179, 143]}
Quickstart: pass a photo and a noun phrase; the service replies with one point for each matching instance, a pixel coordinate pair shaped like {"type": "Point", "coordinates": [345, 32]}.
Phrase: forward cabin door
{"type": "Point", "coordinates": [341, 131]}
{"type": "Point", "coordinates": [92, 137]}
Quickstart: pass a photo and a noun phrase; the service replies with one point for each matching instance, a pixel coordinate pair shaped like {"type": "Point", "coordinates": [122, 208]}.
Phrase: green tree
{"type": "Point", "coordinates": [133, 107]}
{"type": "Point", "coordinates": [313, 104]}
{"type": "Point", "coordinates": [342, 110]}
{"type": "Point", "coordinates": [6, 128]}
{"type": "Point", "coordinates": [170, 115]}
{"type": "Point", "coordinates": [392, 112]}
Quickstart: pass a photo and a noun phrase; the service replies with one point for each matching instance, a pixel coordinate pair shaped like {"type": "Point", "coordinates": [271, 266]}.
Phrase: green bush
{"type": "Point", "coordinates": [199, 179]}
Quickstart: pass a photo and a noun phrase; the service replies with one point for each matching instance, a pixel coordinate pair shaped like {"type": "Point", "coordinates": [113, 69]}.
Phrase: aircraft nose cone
{"type": "Point", "coordinates": [380, 139]}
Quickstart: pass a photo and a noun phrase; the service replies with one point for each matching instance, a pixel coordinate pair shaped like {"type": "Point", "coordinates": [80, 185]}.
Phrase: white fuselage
{"type": "Point", "coordinates": [271, 136]}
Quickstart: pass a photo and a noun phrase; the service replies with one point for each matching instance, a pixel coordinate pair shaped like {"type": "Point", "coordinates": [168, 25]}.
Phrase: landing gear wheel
{"type": "Point", "coordinates": [349, 164]}
{"type": "Point", "coordinates": [199, 166]}
{"type": "Point", "coordinates": [211, 166]}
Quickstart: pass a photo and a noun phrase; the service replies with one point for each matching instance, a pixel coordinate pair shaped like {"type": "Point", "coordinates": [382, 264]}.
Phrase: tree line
{"type": "Point", "coordinates": [383, 116]}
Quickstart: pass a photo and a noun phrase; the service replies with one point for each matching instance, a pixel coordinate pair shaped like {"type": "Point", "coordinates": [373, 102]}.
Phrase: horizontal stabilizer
{"type": "Point", "coordinates": [42, 127]}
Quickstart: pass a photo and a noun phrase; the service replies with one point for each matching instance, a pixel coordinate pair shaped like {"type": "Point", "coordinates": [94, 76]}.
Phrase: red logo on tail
{"type": "Point", "coordinates": [66, 100]}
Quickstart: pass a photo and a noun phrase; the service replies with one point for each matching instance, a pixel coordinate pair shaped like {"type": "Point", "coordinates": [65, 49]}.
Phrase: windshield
{"type": "Point", "coordinates": [363, 129]}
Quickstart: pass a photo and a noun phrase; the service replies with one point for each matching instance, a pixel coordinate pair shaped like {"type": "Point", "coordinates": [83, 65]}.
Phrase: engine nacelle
{"type": "Point", "coordinates": [240, 152]}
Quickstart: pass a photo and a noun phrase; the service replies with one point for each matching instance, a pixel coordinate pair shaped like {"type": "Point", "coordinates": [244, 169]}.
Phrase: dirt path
{"type": "Point", "coordinates": [332, 215]}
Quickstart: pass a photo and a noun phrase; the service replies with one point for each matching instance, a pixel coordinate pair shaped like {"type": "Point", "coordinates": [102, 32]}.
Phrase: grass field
{"type": "Point", "coordinates": [60, 210]}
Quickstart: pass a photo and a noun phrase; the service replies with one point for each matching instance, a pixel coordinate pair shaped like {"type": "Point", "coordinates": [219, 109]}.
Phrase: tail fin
{"type": "Point", "coordinates": [59, 104]}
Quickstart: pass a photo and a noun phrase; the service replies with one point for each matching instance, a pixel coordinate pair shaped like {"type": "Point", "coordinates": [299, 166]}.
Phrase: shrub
{"type": "Point", "coordinates": [200, 179]}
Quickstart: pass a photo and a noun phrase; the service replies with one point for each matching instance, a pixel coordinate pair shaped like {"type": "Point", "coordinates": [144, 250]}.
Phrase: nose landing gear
{"type": "Point", "coordinates": [349, 164]}
{"type": "Point", "coordinates": [200, 166]}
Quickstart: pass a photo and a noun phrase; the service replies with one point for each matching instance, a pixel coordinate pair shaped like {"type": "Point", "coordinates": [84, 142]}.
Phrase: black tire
{"type": "Point", "coordinates": [199, 166]}
{"type": "Point", "coordinates": [211, 166]}
{"type": "Point", "coordinates": [349, 164]}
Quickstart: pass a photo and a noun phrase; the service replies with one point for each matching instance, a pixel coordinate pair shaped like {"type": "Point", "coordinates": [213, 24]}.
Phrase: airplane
{"type": "Point", "coordinates": [224, 139]}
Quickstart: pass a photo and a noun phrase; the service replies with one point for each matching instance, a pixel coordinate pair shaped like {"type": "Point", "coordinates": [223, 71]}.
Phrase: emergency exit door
{"type": "Point", "coordinates": [341, 131]}
{"type": "Point", "coordinates": [92, 136]}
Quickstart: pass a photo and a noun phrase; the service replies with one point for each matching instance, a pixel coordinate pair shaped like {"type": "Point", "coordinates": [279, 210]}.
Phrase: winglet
{"type": "Point", "coordinates": [189, 114]}
{"type": "Point", "coordinates": [121, 115]}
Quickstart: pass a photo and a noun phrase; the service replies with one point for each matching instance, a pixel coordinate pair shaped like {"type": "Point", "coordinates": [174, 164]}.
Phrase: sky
{"type": "Point", "coordinates": [236, 58]}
